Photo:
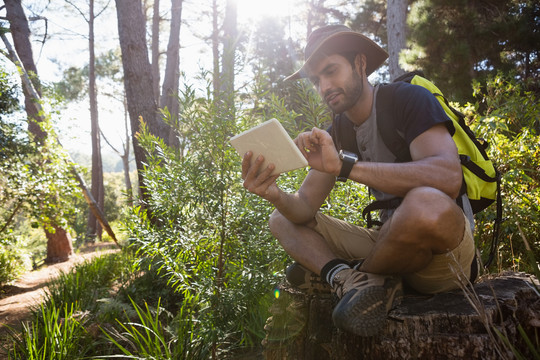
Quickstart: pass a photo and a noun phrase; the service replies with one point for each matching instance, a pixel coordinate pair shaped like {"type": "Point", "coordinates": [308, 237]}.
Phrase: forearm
{"type": "Point", "coordinates": [399, 178]}
{"type": "Point", "coordinates": [301, 207]}
{"type": "Point", "coordinates": [294, 208]}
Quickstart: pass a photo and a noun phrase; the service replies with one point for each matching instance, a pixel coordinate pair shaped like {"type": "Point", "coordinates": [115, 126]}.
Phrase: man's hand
{"type": "Point", "coordinates": [318, 148]}
{"type": "Point", "coordinates": [259, 181]}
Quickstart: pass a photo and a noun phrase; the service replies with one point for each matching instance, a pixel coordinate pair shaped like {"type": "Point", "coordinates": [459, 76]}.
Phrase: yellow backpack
{"type": "Point", "coordinates": [482, 181]}
{"type": "Point", "coordinates": [481, 176]}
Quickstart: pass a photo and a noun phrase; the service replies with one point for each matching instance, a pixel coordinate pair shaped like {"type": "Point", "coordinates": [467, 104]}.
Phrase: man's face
{"type": "Point", "coordinates": [338, 84]}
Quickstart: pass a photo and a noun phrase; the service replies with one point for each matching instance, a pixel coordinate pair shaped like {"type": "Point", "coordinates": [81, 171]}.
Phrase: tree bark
{"type": "Point", "coordinates": [155, 50]}
{"type": "Point", "coordinates": [215, 48]}
{"type": "Point", "coordinates": [316, 15]}
{"type": "Point", "coordinates": [59, 240]}
{"type": "Point", "coordinates": [137, 77]}
{"type": "Point", "coordinates": [94, 227]}
{"type": "Point", "coordinates": [59, 245]}
{"type": "Point", "coordinates": [125, 158]}
{"type": "Point", "coordinates": [396, 25]}
{"type": "Point", "coordinates": [124, 155]}
{"type": "Point", "coordinates": [445, 326]}
{"type": "Point", "coordinates": [230, 39]}
{"type": "Point", "coordinates": [169, 90]}
{"type": "Point", "coordinates": [20, 32]}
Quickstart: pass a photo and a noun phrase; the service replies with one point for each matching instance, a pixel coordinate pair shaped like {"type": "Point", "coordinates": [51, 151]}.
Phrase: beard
{"type": "Point", "coordinates": [352, 91]}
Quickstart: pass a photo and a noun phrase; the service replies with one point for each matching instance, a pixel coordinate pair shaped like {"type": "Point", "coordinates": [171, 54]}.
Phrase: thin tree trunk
{"type": "Point", "coordinates": [155, 50]}
{"type": "Point", "coordinates": [172, 69]}
{"type": "Point", "coordinates": [215, 48]}
{"type": "Point", "coordinates": [124, 155]}
{"type": "Point", "coordinates": [230, 38]}
{"type": "Point", "coordinates": [125, 158]}
{"type": "Point", "coordinates": [94, 228]}
{"type": "Point", "coordinates": [396, 23]}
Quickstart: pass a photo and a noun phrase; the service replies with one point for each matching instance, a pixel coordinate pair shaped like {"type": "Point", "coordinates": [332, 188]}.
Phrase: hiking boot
{"type": "Point", "coordinates": [306, 281]}
{"type": "Point", "coordinates": [365, 300]}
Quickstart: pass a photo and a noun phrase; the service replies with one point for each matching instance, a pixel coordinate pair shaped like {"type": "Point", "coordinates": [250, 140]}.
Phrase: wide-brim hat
{"type": "Point", "coordinates": [334, 39]}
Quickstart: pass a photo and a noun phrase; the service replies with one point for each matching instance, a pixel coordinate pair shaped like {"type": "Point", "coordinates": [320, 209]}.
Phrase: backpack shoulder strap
{"type": "Point", "coordinates": [343, 134]}
{"type": "Point", "coordinates": [391, 138]}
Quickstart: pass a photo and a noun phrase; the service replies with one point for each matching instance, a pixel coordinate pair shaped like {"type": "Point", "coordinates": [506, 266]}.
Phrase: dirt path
{"type": "Point", "coordinates": [16, 300]}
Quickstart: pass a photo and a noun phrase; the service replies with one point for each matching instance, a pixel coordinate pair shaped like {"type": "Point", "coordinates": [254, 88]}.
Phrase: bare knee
{"type": "Point", "coordinates": [276, 222]}
{"type": "Point", "coordinates": [288, 234]}
{"type": "Point", "coordinates": [430, 218]}
{"type": "Point", "coordinates": [430, 207]}
{"type": "Point", "coordinates": [282, 229]}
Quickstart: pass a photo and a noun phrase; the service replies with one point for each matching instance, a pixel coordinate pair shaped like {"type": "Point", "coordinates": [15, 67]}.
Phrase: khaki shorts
{"type": "Point", "coordinates": [444, 273]}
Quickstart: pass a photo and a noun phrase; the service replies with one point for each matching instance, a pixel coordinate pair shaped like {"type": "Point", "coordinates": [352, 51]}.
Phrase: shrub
{"type": "Point", "coordinates": [511, 123]}
{"type": "Point", "coordinates": [13, 263]}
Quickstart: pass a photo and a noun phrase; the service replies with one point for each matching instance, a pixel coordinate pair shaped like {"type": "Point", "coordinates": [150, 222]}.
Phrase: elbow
{"type": "Point", "coordinates": [453, 177]}
{"type": "Point", "coordinates": [454, 194]}
{"type": "Point", "coordinates": [455, 182]}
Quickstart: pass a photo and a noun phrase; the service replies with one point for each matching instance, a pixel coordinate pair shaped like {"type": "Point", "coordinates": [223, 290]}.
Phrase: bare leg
{"type": "Point", "coordinates": [428, 222]}
{"type": "Point", "coordinates": [301, 242]}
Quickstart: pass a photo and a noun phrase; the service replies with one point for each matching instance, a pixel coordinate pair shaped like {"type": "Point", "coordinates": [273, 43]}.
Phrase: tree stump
{"type": "Point", "coordinates": [59, 245]}
{"type": "Point", "coordinates": [443, 326]}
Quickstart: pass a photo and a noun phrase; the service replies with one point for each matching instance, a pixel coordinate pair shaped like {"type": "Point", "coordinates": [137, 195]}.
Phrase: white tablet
{"type": "Point", "coordinates": [272, 141]}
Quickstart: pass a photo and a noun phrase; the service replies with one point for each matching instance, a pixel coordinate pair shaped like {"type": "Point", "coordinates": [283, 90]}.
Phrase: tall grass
{"type": "Point", "coordinates": [150, 338]}
{"type": "Point", "coordinates": [89, 281]}
{"type": "Point", "coordinates": [58, 328]}
{"type": "Point", "coordinates": [59, 334]}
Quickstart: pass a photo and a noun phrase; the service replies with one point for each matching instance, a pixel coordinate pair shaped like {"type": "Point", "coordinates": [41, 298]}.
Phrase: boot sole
{"type": "Point", "coordinates": [364, 313]}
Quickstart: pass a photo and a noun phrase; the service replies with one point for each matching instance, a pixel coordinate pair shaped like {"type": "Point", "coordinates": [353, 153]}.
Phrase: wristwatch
{"type": "Point", "coordinates": [349, 159]}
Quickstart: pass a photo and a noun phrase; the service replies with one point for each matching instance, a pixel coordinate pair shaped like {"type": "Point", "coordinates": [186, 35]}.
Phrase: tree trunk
{"type": "Point", "coordinates": [316, 15]}
{"type": "Point", "coordinates": [172, 69]}
{"type": "Point", "coordinates": [137, 77]}
{"type": "Point", "coordinates": [215, 49]}
{"type": "Point", "coordinates": [230, 39]}
{"type": "Point", "coordinates": [60, 242]}
{"type": "Point", "coordinates": [94, 228]}
{"type": "Point", "coordinates": [125, 158]}
{"type": "Point", "coordinates": [155, 51]}
{"type": "Point", "coordinates": [445, 326]}
{"type": "Point", "coordinates": [20, 33]}
{"type": "Point", "coordinates": [59, 245]}
{"type": "Point", "coordinates": [396, 25]}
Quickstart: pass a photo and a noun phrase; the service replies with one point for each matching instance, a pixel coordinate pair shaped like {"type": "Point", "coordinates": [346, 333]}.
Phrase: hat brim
{"type": "Point", "coordinates": [346, 41]}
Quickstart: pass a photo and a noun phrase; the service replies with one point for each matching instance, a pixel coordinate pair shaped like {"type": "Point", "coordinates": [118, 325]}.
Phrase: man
{"type": "Point", "coordinates": [426, 241]}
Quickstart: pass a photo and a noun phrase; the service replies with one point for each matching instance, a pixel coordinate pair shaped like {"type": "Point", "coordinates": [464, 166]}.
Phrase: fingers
{"type": "Point", "coordinates": [308, 141]}
{"type": "Point", "coordinates": [250, 169]}
{"type": "Point", "coordinates": [256, 180]}
{"type": "Point", "coordinates": [318, 136]}
{"type": "Point", "coordinates": [246, 164]}
{"type": "Point", "coordinates": [300, 142]}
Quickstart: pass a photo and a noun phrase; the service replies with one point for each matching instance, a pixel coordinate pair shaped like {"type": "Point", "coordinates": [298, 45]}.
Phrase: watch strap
{"type": "Point", "coordinates": [346, 168]}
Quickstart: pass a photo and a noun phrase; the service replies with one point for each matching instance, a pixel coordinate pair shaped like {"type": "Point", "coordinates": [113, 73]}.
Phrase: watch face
{"type": "Point", "coordinates": [348, 156]}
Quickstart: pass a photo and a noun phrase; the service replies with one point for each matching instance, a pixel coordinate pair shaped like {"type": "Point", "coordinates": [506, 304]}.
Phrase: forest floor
{"type": "Point", "coordinates": [18, 299]}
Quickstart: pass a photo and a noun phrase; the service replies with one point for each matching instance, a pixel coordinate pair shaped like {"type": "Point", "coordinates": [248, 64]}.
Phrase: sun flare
{"type": "Point", "coordinates": [255, 9]}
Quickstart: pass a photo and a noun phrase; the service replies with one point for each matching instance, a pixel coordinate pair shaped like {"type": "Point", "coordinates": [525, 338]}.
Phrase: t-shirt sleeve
{"type": "Point", "coordinates": [418, 110]}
